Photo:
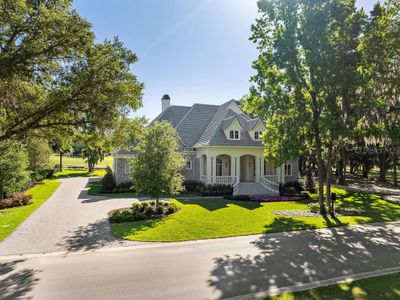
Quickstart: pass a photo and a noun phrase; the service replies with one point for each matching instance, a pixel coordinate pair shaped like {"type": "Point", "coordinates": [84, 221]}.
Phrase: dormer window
{"type": "Point", "coordinates": [257, 135]}
{"type": "Point", "coordinates": [234, 135]}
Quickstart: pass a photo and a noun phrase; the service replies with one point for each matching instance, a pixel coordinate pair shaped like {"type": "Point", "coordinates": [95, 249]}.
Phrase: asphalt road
{"type": "Point", "coordinates": [205, 269]}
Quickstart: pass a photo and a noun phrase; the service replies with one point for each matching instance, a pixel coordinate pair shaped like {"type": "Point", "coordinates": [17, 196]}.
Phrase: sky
{"type": "Point", "coordinates": [197, 51]}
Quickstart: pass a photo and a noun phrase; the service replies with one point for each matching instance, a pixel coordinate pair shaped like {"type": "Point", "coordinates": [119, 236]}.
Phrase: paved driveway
{"type": "Point", "coordinates": [69, 221]}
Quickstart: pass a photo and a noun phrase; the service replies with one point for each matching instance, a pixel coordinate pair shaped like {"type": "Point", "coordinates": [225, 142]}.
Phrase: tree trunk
{"type": "Point", "coordinates": [61, 161]}
{"type": "Point", "coordinates": [157, 201]}
{"type": "Point", "coordinates": [328, 202]}
{"type": "Point", "coordinates": [90, 167]}
{"type": "Point", "coordinates": [1, 191]}
{"type": "Point", "coordinates": [341, 169]}
{"type": "Point", "coordinates": [318, 148]}
{"type": "Point", "coordinates": [395, 159]}
{"type": "Point", "coordinates": [382, 164]}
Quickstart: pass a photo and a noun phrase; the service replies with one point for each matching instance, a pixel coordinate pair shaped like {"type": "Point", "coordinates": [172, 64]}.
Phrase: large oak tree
{"type": "Point", "coordinates": [53, 74]}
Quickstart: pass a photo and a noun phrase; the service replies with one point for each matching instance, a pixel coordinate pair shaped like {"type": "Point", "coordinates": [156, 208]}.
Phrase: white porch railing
{"type": "Point", "coordinates": [236, 184]}
{"type": "Point", "coordinates": [273, 178]}
{"type": "Point", "coordinates": [269, 184]}
{"type": "Point", "coordinates": [224, 179]}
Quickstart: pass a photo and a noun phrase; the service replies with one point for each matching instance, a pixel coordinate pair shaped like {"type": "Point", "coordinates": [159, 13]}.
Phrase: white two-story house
{"type": "Point", "coordinates": [223, 146]}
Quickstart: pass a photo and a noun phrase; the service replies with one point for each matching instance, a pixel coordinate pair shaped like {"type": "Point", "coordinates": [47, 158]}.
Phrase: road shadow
{"type": "Point", "coordinates": [292, 258]}
{"type": "Point", "coordinates": [16, 283]}
{"type": "Point", "coordinates": [91, 237]}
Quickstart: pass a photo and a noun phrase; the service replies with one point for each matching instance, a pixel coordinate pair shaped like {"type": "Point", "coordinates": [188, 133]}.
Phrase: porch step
{"type": "Point", "coordinates": [254, 188]}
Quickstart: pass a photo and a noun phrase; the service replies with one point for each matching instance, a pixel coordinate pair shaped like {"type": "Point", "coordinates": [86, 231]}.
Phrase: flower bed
{"type": "Point", "coordinates": [142, 211]}
{"type": "Point", "coordinates": [265, 198]}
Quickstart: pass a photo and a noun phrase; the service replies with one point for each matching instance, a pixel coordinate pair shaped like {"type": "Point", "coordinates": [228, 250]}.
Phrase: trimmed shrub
{"type": "Point", "coordinates": [16, 199]}
{"type": "Point", "coordinates": [314, 208]}
{"type": "Point", "coordinates": [108, 183]}
{"type": "Point", "coordinates": [291, 188]}
{"type": "Point", "coordinates": [142, 211]}
{"type": "Point", "coordinates": [216, 190]}
{"type": "Point", "coordinates": [192, 186]}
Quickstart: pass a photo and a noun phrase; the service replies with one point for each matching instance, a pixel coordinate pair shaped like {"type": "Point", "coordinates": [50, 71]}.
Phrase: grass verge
{"type": "Point", "coordinates": [11, 218]}
{"type": "Point", "coordinates": [78, 161]}
{"type": "Point", "coordinates": [216, 218]}
{"type": "Point", "coordinates": [383, 287]}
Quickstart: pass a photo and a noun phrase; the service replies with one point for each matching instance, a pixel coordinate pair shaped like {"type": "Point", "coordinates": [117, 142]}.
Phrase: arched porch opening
{"type": "Point", "coordinates": [248, 168]}
{"type": "Point", "coordinates": [223, 169]}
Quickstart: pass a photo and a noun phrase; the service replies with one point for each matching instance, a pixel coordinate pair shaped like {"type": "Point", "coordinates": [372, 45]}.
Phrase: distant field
{"type": "Point", "coordinates": [76, 161]}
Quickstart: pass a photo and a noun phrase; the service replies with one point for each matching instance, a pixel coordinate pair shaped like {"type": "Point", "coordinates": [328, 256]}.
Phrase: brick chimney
{"type": "Point", "coordinates": [165, 102]}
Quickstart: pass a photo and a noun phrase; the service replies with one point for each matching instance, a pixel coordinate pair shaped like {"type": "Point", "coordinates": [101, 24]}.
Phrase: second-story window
{"type": "Point", "coordinates": [234, 134]}
{"type": "Point", "coordinates": [257, 135]}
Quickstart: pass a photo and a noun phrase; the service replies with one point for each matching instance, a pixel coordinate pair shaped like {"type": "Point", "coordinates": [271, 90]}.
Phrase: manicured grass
{"type": "Point", "coordinates": [215, 218]}
{"type": "Point", "coordinates": [384, 288]}
{"type": "Point", "coordinates": [77, 161]}
{"type": "Point", "coordinates": [15, 216]}
{"type": "Point", "coordinates": [95, 187]}
{"type": "Point", "coordinates": [79, 173]}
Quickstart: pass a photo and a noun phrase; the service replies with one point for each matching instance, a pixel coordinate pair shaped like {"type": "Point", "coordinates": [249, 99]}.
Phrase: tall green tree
{"type": "Point", "coordinates": [14, 164]}
{"type": "Point", "coordinates": [61, 143]}
{"type": "Point", "coordinates": [53, 74]}
{"type": "Point", "coordinates": [39, 153]}
{"type": "Point", "coordinates": [380, 48]}
{"type": "Point", "coordinates": [158, 164]}
{"type": "Point", "coordinates": [306, 81]}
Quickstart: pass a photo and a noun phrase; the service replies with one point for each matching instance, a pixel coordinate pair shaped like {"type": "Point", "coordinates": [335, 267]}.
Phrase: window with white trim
{"type": "Point", "coordinates": [257, 135]}
{"type": "Point", "coordinates": [288, 169]}
{"type": "Point", "coordinates": [189, 165]}
{"type": "Point", "coordinates": [234, 135]}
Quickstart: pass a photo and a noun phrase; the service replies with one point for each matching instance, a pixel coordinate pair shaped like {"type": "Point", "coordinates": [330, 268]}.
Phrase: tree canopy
{"type": "Point", "coordinates": [53, 74]}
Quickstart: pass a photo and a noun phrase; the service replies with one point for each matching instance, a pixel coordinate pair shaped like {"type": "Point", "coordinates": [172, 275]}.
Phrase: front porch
{"type": "Point", "coordinates": [242, 167]}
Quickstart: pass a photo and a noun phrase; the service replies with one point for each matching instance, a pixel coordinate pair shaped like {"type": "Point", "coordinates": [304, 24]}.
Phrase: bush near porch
{"type": "Point", "coordinates": [216, 218]}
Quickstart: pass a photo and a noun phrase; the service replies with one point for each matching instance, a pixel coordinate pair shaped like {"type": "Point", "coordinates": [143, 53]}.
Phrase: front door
{"type": "Point", "coordinates": [248, 168]}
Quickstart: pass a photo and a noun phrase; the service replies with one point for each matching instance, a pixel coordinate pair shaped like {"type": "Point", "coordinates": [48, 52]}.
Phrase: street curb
{"type": "Point", "coordinates": [316, 284]}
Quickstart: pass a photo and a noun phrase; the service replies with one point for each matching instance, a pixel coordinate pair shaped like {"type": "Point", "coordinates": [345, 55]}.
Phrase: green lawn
{"type": "Point", "coordinates": [384, 288]}
{"type": "Point", "coordinates": [79, 173]}
{"type": "Point", "coordinates": [77, 161]}
{"type": "Point", "coordinates": [215, 218]}
{"type": "Point", "coordinates": [15, 216]}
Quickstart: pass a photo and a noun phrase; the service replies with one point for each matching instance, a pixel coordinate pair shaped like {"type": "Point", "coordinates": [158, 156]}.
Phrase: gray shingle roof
{"type": "Point", "coordinates": [173, 113]}
{"type": "Point", "coordinates": [203, 125]}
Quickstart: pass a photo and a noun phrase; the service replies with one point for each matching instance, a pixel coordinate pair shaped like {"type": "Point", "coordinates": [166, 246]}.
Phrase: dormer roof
{"type": "Point", "coordinates": [203, 125]}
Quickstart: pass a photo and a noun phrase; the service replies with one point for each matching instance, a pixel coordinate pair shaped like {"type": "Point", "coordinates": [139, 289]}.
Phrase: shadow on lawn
{"type": "Point", "coordinates": [376, 208]}
{"type": "Point", "coordinates": [301, 257]}
{"type": "Point", "coordinates": [16, 283]}
{"type": "Point", "coordinates": [216, 203]}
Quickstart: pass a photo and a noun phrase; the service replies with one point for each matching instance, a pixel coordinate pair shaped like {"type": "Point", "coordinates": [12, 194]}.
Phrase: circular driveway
{"type": "Point", "coordinates": [70, 221]}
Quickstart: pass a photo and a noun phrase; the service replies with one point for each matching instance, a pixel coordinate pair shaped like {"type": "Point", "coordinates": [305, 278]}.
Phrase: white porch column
{"type": "Point", "coordinates": [262, 166]}
{"type": "Point", "coordinates": [209, 165]}
{"type": "Point", "coordinates": [238, 168]}
{"type": "Point", "coordinates": [233, 169]}
{"type": "Point", "coordinates": [278, 174]}
{"type": "Point", "coordinates": [283, 173]}
{"type": "Point", "coordinates": [258, 163]}
{"type": "Point", "coordinates": [214, 170]}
